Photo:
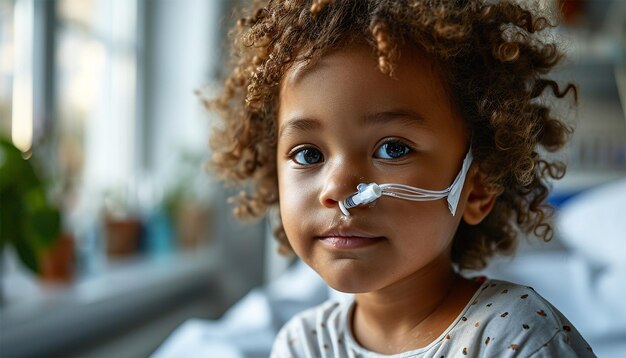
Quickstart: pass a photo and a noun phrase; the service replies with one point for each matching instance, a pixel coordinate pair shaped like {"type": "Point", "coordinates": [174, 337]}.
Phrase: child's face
{"type": "Point", "coordinates": [342, 122]}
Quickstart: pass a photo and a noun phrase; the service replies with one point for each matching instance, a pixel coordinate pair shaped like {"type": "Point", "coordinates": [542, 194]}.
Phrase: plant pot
{"type": "Point", "coordinates": [58, 261]}
{"type": "Point", "coordinates": [193, 223]}
{"type": "Point", "coordinates": [122, 236]}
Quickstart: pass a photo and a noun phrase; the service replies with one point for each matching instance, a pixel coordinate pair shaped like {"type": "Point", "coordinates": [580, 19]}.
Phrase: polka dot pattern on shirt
{"type": "Point", "coordinates": [502, 319]}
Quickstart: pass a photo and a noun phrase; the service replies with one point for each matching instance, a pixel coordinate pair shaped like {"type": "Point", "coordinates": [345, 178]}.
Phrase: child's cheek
{"type": "Point", "coordinates": [297, 200]}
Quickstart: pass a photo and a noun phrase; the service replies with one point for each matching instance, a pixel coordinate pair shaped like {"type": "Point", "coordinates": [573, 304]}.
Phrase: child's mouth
{"type": "Point", "coordinates": [349, 242]}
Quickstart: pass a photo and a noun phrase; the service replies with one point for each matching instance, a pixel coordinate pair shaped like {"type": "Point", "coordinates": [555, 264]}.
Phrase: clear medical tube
{"type": "Point", "coordinates": [367, 193]}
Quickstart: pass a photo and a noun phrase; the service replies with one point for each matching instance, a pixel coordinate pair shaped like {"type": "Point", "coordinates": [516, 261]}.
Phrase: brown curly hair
{"type": "Point", "coordinates": [495, 59]}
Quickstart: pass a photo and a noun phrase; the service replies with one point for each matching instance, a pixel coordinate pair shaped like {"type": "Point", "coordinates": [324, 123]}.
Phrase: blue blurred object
{"type": "Point", "coordinates": [158, 236]}
{"type": "Point", "coordinates": [557, 199]}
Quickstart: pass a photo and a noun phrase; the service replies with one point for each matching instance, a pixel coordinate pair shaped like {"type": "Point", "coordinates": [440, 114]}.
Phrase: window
{"type": "Point", "coordinates": [96, 91]}
{"type": "Point", "coordinates": [6, 65]}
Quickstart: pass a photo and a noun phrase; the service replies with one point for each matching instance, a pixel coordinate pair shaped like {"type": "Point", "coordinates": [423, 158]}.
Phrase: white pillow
{"type": "Point", "coordinates": [594, 224]}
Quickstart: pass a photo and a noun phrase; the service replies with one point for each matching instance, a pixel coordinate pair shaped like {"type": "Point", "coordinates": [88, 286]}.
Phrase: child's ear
{"type": "Point", "coordinates": [480, 199]}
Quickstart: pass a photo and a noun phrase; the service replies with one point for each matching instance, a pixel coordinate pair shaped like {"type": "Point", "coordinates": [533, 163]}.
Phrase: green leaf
{"type": "Point", "coordinates": [11, 214]}
{"type": "Point", "coordinates": [27, 253]}
{"type": "Point", "coordinates": [27, 221]}
{"type": "Point", "coordinates": [16, 173]}
{"type": "Point", "coordinates": [44, 227]}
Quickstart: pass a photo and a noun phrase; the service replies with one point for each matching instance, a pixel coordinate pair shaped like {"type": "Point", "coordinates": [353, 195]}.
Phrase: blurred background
{"type": "Point", "coordinates": [112, 232]}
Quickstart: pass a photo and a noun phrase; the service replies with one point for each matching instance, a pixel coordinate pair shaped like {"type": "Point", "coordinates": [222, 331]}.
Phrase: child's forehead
{"type": "Point", "coordinates": [347, 83]}
{"type": "Point", "coordinates": [408, 57]}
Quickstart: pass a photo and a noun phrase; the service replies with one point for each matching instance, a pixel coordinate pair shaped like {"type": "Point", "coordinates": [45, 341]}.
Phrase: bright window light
{"type": "Point", "coordinates": [22, 118]}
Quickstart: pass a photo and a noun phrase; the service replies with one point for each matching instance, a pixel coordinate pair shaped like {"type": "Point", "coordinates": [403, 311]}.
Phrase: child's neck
{"type": "Point", "coordinates": [412, 313]}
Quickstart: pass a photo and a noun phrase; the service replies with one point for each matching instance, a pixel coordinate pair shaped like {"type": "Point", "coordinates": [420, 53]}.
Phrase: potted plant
{"type": "Point", "coordinates": [27, 221]}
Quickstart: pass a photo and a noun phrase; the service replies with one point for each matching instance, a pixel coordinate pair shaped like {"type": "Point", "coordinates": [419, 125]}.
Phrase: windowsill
{"type": "Point", "coordinates": [124, 290]}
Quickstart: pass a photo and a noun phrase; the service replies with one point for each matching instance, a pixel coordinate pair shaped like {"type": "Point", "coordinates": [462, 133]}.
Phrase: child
{"type": "Point", "coordinates": [436, 110]}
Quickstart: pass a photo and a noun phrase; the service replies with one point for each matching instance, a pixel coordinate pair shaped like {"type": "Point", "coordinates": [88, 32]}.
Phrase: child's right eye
{"type": "Point", "coordinates": [307, 156]}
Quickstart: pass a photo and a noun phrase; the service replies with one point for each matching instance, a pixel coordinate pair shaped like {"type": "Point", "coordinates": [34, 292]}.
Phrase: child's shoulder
{"type": "Point", "coordinates": [502, 299]}
{"type": "Point", "coordinates": [504, 318]}
{"type": "Point", "coordinates": [503, 303]}
{"type": "Point", "coordinates": [301, 335]}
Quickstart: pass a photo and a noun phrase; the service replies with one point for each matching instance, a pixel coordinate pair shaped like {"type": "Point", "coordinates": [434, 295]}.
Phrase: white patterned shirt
{"type": "Point", "coordinates": [501, 320]}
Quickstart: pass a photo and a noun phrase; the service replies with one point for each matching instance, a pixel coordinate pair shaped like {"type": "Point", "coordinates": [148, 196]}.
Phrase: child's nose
{"type": "Point", "coordinates": [341, 181]}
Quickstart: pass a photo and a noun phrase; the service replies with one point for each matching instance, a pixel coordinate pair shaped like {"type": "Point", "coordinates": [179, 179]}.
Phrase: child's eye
{"type": "Point", "coordinates": [392, 150]}
{"type": "Point", "coordinates": [307, 156]}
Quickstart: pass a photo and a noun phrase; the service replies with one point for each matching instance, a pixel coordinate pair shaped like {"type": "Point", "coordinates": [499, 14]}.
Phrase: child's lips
{"type": "Point", "coordinates": [349, 242]}
{"type": "Point", "coordinates": [346, 238]}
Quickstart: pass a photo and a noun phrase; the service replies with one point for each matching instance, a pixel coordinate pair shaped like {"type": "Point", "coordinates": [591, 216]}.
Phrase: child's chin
{"type": "Point", "coordinates": [349, 286]}
{"type": "Point", "coordinates": [350, 291]}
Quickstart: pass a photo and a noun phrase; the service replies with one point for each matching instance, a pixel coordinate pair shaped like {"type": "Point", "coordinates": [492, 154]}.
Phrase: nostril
{"type": "Point", "coordinates": [330, 202]}
{"type": "Point", "coordinates": [339, 184]}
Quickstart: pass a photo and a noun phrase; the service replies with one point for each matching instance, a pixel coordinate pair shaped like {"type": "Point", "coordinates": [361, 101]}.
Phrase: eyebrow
{"type": "Point", "coordinates": [298, 125]}
{"type": "Point", "coordinates": [407, 116]}
{"type": "Point", "coordinates": [308, 124]}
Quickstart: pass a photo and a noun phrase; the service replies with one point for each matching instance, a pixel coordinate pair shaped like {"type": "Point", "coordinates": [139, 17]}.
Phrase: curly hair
{"type": "Point", "coordinates": [495, 59]}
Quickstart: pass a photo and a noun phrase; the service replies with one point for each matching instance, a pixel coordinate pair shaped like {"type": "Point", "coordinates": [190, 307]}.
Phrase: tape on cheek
{"type": "Point", "coordinates": [457, 186]}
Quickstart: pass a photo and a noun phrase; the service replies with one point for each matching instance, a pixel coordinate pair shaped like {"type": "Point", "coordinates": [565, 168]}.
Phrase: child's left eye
{"type": "Point", "coordinates": [392, 150]}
